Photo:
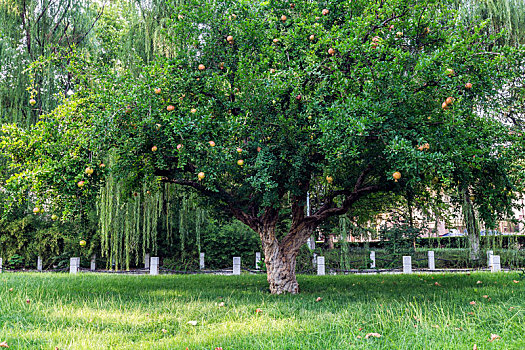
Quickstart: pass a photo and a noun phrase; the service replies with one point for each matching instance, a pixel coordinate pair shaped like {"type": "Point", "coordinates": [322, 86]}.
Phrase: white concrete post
{"type": "Point", "coordinates": [201, 261]}
{"type": "Point", "coordinates": [93, 265]}
{"type": "Point", "coordinates": [257, 260]}
{"type": "Point", "coordinates": [154, 266]}
{"type": "Point", "coordinates": [407, 264]}
{"type": "Point", "coordinates": [39, 263]}
{"type": "Point", "coordinates": [0, 265]}
{"type": "Point", "coordinates": [74, 264]}
{"type": "Point", "coordinates": [490, 254]}
{"type": "Point", "coordinates": [146, 261]}
{"type": "Point", "coordinates": [237, 265]}
{"type": "Point", "coordinates": [373, 258]}
{"type": "Point", "coordinates": [431, 260]}
{"type": "Point", "coordinates": [496, 263]}
{"type": "Point", "coordinates": [320, 266]}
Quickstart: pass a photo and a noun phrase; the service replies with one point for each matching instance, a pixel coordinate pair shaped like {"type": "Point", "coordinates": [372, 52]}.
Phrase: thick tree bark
{"type": "Point", "coordinates": [280, 265]}
{"type": "Point", "coordinates": [281, 259]}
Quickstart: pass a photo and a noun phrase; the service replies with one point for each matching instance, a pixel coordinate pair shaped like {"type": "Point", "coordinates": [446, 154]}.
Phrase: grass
{"type": "Point", "coordinates": [95, 311]}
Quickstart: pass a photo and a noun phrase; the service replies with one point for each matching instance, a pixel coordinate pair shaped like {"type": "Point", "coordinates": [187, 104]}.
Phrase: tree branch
{"type": "Point", "coordinates": [249, 220]}
{"type": "Point", "coordinates": [382, 24]}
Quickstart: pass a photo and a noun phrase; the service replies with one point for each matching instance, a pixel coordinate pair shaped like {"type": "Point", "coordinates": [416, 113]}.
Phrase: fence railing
{"type": "Point", "coordinates": [389, 264]}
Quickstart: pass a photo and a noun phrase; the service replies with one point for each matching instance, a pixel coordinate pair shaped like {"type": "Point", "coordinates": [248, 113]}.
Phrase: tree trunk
{"type": "Point", "coordinates": [280, 259]}
{"type": "Point", "coordinates": [472, 227]}
{"type": "Point", "coordinates": [280, 265]}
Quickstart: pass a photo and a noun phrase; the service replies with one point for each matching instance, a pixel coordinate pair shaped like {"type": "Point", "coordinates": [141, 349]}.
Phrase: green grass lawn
{"type": "Point", "coordinates": [93, 311]}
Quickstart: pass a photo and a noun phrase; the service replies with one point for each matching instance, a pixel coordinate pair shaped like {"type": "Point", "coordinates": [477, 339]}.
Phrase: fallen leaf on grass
{"type": "Point", "coordinates": [164, 330]}
{"type": "Point", "coordinates": [470, 313]}
{"type": "Point", "coordinates": [10, 289]}
{"type": "Point", "coordinates": [219, 348]}
{"type": "Point", "coordinates": [359, 337]}
{"type": "Point", "coordinates": [318, 299]}
{"type": "Point", "coordinates": [221, 304]}
{"type": "Point", "coordinates": [257, 311]}
{"type": "Point", "coordinates": [376, 335]}
{"type": "Point", "coordinates": [360, 329]}
{"type": "Point", "coordinates": [475, 347]}
{"type": "Point", "coordinates": [193, 323]}
{"type": "Point", "coordinates": [4, 344]}
{"type": "Point", "coordinates": [437, 284]}
{"type": "Point", "coordinates": [494, 337]}
{"type": "Point", "coordinates": [479, 282]}
{"type": "Point", "coordinates": [435, 326]}
{"type": "Point", "coordinates": [472, 303]}
{"type": "Point", "coordinates": [515, 281]}
{"type": "Point", "coordinates": [486, 296]}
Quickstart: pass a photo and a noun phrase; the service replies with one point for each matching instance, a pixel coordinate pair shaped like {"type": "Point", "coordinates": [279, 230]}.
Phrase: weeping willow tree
{"type": "Point", "coordinates": [503, 15]}
{"type": "Point", "coordinates": [37, 39]}
{"type": "Point", "coordinates": [121, 32]}
{"type": "Point", "coordinates": [128, 224]}
{"type": "Point", "coordinates": [32, 29]}
{"type": "Point", "coordinates": [508, 17]}
{"type": "Point", "coordinates": [133, 224]}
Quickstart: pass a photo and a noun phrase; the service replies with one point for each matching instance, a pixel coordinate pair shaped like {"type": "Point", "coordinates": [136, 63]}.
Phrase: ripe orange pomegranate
{"type": "Point", "coordinates": [239, 150]}
{"type": "Point", "coordinates": [229, 39]}
{"type": "Point", "coordinates": [202, 67]}
{"type": "Point", "coordinates": [240, 162]}
{"type": "Point", "coordinates": [193, 110]}
{"type": "Point", "coordinates": [212, 144]}
{"type": "Point", "coordinates": [468, 86]}
{"type": "Point", "coordinates": [396, 175]}
{"type": "Point", "coordinates": [449, 100]}
{"type": "Point", "coordinates": [154, 149]}
{"type": "Point", "coordinates": [312, 37]}
{"type": "Point", "coordinates": [329, 179]}
{"type": "Point", "coordinates": [80, 184]}
{"type": "Point", "coordinates": [275, 41]}
{"type": "Point", "coordinates": [200, 176]}
{"type": "Point", "coordinates": [283, 18]}
{"type": "Point", "coordinates": [170, 108]}
{"type": "Point", "coordinates": [331, 51]}
{"type": "Point", "coordinates": [179, 146]}
{"type": "Point", "coordinates": [325, 12]}
{"type": "Point", "coordinates": [157, 91]}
